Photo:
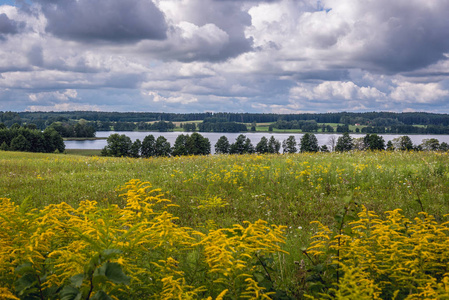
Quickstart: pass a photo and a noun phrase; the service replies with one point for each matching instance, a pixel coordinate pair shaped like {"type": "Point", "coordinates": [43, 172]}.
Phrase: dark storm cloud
{"type": "Point", "coordinates": [112, 20]}
{"type": "Point", "coordinates": [8, 26]}
{"type": "Point", "coordinates": [409, 36]}
{"type": "Point", "coordinates": [229, 17]}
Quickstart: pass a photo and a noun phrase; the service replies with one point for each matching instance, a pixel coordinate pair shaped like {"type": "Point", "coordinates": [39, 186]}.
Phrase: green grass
{"type": "Point", "coordinates": [291, 187]}
{"type": "Point", "coordinates": [290, 190]}
{"type": "Point", "coordinates": [83, 152]}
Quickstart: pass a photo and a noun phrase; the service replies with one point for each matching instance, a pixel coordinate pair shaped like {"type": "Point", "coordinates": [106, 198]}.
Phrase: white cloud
{"type": "Point", "coordinates": [63, 107]}
{"type": "Point", "coordinates": [335, 90]}
{"type": "Point", "coordinates": [57, 95]}
{"type": "Point", "coordinates": [178, 98]}
{"type": "Point", "coordinates": [418, 92]}
{"type": "Point", "coordinates": [254, 55]}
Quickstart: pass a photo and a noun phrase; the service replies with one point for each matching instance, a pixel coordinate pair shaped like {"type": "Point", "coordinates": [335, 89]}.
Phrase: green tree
{"type": "Point", "coordinates": [20, 143]}
{"type": "Point", "coordinates": [222, 146]}
{"type": "Point", "coordinates": [197, 144]}
{"type": "Point", "coordinates": [374, 142]}
{"type": "Point", "coordinates": [253, 126]}
{"type": "Point", "coordinates": [403, 143]}
{"type": "Point", "coordinates": [324, 148]}
{"type": "Point", "coordinates": [444, 147]}
{"type": "Point", "coordinates": [262, 146]}
{"type": "Point", "coordinates": [309, 143]}
{"type": "Point", "coordinates": [344, 143]}
{"type": "Point", "coordinates": [31, 126]}
{"type": "Point", "coordinates": [249, 148]}
{"type": "Point", "coordinates": [430, 144]}
{"type": "Point", "coordinates": [4, 146]}
{"type": "Point", "coordinates": [162, 147]}
{"type": "Point", "coordinates": [273, 145]}
{"type": "Point", "coordinates": [148, 146]}
{"type": "Point", "coordinates": [118, 145]}
{"type": "Point", "coordinates": [289, 145]}
{"type": "Point", "coordinates": [136, 148]}
{"type": "Point", "coordinates": [238, 147]}
{"type": "Point", "coordinates": [53, 140]}
{"type": "Point", "coordinates": [180, 145]}
{"type": "Point", "coordinates": [390, 146]}
{"type": "Point", "coordinates": [241, 145]}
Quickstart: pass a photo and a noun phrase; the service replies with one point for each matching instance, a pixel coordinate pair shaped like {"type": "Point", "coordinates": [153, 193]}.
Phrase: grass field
{"type": "Point", "coordinates": [290, 190]}
{"type": "Point", "coordinates": [83, 152]}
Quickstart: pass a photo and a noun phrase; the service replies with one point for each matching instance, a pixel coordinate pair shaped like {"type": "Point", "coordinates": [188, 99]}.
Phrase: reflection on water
{"type": "Point", "coordinates": [323, 139]}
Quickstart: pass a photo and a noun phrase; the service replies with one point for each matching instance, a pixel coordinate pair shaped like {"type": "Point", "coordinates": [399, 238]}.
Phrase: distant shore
{"type": "Point", "coordinates": [84, 138]}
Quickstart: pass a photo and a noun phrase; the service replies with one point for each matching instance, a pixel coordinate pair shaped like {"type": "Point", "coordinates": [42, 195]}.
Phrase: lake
{"type": "Point", "coordinates": [323, 138]}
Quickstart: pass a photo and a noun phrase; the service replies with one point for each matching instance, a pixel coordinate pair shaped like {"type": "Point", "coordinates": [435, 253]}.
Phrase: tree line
{"type": "Point", "coordinates": [77, 130]}
{"type": "Point", "coordinates": [195, 144]}
{"type": "Point", "coordinates": [366, 118]}
{"type": "Point", "coordinates": [119, 145]}
{"type": "Point", "coordinates": [23, 138]}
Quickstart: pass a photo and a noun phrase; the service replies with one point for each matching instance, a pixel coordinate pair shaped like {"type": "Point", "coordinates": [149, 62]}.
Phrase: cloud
{"type": "Point", "coordinates": [64, 107]}
{"type": "Point", "coordinates": [418, 92]}
{"type": "Point", "coordinates": [228, 19]}
{"type": "Point", "coordinates": [188, 42]}
{"type": "Point", "coordinates": [113, 20]}
{"type": "Point", "coordinates": [225, 55]}
{"type": "Point", "coordinates": [53, 96]}
{"type": "Point", "coordinates": [397, 36]}
{"type": "Point", "coordinates": [335, 90]}
{"type": "Point", "coordinates": [9, 26]}
{"type": "Point", "coordinates": [179, 98]}
{"type": "Point", "coordinates": [381, 36]}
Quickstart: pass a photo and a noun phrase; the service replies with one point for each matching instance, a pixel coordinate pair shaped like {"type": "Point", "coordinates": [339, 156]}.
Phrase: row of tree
{"type": "Point", "coordinates": [222, 127]}
{"type": "Point", "coordinates": [407, 129]}
{"type": "Point", "coordinates": [78, 130]}
{"type": "Point", "coordinates": [121, 145]}
{"type": "Point", "coordinates": [367, 118]}
{"type": "Point", "coordinates": [161, 126]}
{"type": "Point", "coordinates": [18, 138]}
{"type": "Point", "coordinates": [376, 142]}
{"type": "Point", "coordinates": [196, 144]}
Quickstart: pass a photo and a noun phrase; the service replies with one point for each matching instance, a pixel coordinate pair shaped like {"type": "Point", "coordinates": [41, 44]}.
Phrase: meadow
{"type": "Point", "coordinates": [219, 191]}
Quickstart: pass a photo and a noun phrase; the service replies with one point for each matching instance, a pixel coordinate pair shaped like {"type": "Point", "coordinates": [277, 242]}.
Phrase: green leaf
{"type": "Point", "coordinates": [77, 280]}
{"type": "Point", "coordinates": [70, 293]}
{"type": "Point", "coordinates": [24, 268]}
{"type": "Point", "coordinates": [110, 253]}
{"type": "Point", "coordinates": [114, 273]}
{"type": "Point", "coordinates": [25, 282]}
{"type": "Point", "coordinates": [92, 265]}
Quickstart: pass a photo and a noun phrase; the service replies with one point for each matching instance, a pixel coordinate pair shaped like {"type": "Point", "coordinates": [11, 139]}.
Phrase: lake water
{"type": "Point", "coordinates": [323, 138]}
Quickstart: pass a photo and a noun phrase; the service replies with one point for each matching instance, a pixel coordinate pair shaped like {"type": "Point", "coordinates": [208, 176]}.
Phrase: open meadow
{"type": "Point", "coordinates": [216, 192]}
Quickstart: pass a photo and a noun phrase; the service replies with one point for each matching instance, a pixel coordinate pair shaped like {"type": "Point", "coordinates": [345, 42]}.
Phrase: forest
{"type": "Point", "coordinates": [365, 118]}
{"type": "Point", "coordinates": [84, 124]}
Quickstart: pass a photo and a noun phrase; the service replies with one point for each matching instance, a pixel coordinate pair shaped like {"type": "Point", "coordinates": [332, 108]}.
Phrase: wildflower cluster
{"type": "Point", "coordinates": [130, 252]}
{"type": "Point", "coordinates": [391, 258]}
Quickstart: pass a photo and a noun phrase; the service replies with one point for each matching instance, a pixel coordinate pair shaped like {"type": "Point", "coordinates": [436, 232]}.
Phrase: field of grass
{"type": "Point", "coordinates": [291, 190]}
{"type": "Point", "coordinates": [83, 152]}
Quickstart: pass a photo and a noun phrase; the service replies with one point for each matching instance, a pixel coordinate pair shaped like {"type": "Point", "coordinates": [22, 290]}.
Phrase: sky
{"type": "Point", "coordinates": [260, 56]}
